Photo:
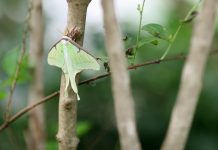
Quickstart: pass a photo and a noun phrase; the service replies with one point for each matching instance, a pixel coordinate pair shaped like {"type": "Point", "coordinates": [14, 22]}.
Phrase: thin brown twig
{"type": "Point", "coordinates": [94, 78]}
{"type": "Point", "coordinates": [151, 62]}
{"type": "Point", "coordinates": [47, 98]}
{"type": "Point", "coordinates": [17, 71]}
{"type": "Point", "coordinates": [146, 63]}
{"type": "Point", "coordinates": [26, 109]}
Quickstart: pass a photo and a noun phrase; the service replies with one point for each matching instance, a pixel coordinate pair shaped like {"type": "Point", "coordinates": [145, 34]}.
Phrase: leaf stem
{"type": "Point", "coordinates": [141, 10]}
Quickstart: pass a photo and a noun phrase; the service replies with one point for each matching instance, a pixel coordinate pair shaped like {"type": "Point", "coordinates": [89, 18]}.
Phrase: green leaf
{"type": "Point", "coordinates": [83, 128]}
{"type": "Point", "coordinates": [72, 59]}
{"type": "Point", "coordinates": [148, 40]}
{"type": "Point", "coordinates": [139, 7]}
{"type": "Point", "coordinates": [190, 17]}
{"type": "Point", "coordinates": [5, 83]}
{"type": "Point", "coordinates": [3, 95]}
{"type": "Point", "coordinates": [9, 64]}
{"type": "Point", "coordinates": [10, 59]}
{"type": "Point", "coordinates": [156, 30]}
{"type": "Point", "coordinates": [3, 92]}
{"type": "Point", "coordinates": [170, 38]}
{"type": "Point", "coordinates": [155, 42]}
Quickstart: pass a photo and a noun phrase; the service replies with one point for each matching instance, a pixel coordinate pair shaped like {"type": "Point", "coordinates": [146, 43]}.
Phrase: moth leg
{"type": "Point", "coordinates": [78, 50]}
{"type": "Point", "coordinates": [55, 47]}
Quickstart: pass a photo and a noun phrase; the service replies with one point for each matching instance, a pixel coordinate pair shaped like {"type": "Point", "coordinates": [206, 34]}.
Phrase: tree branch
{"type": "Point", "coordinates": [123, 100]}
{"type": "Point", "coordinates": [27, 109]}
{"type": "Point", "coordinates": [20, 59]}
{"type": "Point", "coordinates": [36, 131]}
{"type": "Point", "coordinates": [66, 135]}
{"type": "Point", "coordinates": [191, 81]}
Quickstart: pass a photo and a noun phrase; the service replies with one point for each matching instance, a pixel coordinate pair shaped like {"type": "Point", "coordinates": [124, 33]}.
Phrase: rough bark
{"type": "Point", "coordinates": [124, 106]}
{"type": "Point", "coordinates": [36, 134]}
{"type": "Point", "coordinates": [191, 81]}
{"type": "Point", "coordinates": [66, 135]}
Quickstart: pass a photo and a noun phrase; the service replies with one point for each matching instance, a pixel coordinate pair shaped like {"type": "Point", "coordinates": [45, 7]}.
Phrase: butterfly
{"type": "Point", "coordinates": [72, 59]}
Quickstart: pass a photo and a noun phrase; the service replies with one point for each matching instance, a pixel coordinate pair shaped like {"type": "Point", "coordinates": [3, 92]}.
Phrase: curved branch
{"type": "Point", "coordinates": [123, 99]}
{"type": "Point", "coordinates": [27, 109]}
{"type": "Point", "coordinates": [18, 66]}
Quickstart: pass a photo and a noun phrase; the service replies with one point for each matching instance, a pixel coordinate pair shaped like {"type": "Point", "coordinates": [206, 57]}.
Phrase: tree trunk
{"type": "Point", "coordinates": [66, 135]}
{"type": "Point", "coordinates": [191, 81]}
{"type": "Point", "coordinates": [36, 132]}
{"type": "Point", "coordinates": [124, 106]}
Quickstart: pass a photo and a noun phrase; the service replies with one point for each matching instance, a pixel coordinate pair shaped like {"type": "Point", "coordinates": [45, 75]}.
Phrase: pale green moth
{"type": "Point", "coordinates": [72, 59]}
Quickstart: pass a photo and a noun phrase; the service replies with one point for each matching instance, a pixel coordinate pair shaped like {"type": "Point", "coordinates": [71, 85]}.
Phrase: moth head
{"type": "Point", "coordinates": [73, 33]}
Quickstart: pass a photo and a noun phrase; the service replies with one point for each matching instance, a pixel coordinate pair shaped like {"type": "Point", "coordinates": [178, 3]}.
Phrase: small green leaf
{"type": "Point", "coordinates": [155, 42]}
{"type": "Point", "coordinates": [5, 83]}
{"type": "Point", "coordinates": [170, 37]}
{"type": "Point", "coordinates": [10, 59]}
{"type": "Point", "coordinates": [83, 127]}
{"type": "Point", "coordinates": [3, 94]}
{"type": "Point", "coordinates": [139, 7]}
{"type": "Point", "coordinates": [156, 30]}
{"type": "Point", "coordinates": [148, 40]}
{"type": "Point", "coordinates": [9, 64]}
{"type": "Point", "coordinates": [191, 17]}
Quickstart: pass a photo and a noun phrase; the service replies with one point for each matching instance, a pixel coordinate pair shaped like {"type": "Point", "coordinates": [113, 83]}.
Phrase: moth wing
{"type": "Point", "coordinates": [56, 56]}
{"type": "Point", "coordinates": [81, 59]}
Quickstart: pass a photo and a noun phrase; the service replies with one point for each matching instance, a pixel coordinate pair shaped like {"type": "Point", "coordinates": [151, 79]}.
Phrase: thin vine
{"type": "Point", "coordinates": [187, 17]}
{"type": "Point", "coordinates": [141, 10]}
{"type": "Point", "coordinates": [20, 59]}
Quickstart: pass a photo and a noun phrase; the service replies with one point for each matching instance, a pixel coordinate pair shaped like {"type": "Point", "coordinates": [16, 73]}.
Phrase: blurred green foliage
{"type": "Point", "coordinates": [9, 66]}
{"type": "Point", "coordinates": [154, 89]}
{"type": "Point", "coordinates": [83, 128]}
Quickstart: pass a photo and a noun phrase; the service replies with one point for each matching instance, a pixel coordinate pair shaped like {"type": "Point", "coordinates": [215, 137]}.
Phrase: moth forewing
{"type": "Point", "coordinates": [87, 61]}
{"type": "Point", "coordinates": [55, 56]}
{"type": "Point", "coordinates": [82, 60]}
{"type": "Point", "coordinates": [77, 45]}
